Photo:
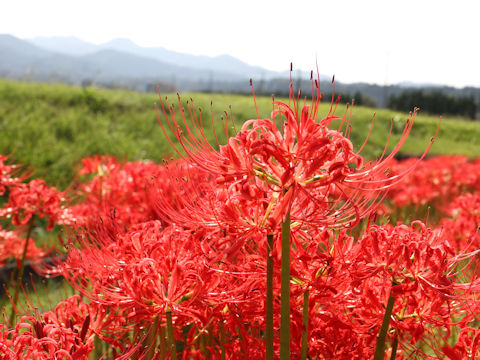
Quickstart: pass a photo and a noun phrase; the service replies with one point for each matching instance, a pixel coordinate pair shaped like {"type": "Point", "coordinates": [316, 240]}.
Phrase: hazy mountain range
{"type": "Point", "coordinates": [72, 60]}
{"type": "Point", "coordinates": [122, 63]}
{"type": "Point", "coordinates": [225, 64]}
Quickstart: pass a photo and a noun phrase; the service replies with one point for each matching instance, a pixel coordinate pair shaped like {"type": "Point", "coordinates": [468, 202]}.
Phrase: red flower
{"type": "Point", "coordinates": [417, 267]}
{"type": "Point", "coordinates": [12, 244]}
{"type": "Point", "coordinates": [145, 270]}
{"type": "Point", "coordinates": [7, 178]}
{"type": "Point", "coordinates": [36, 198]}
{"type": "Point", "coordinates": [97, 164]}
{"type": "Point", "coordinates": [49, 336]}
{"type": "Point", "coordinates": [436, 182]}
{"type": "Point", "coordinates": [462, 227]}
{"type": "Point", "coordinates": [467, 346]}
{"type": "Point", "coordinates": [290, 161]}
{"type": "Point", "coordinates": [116, 189]}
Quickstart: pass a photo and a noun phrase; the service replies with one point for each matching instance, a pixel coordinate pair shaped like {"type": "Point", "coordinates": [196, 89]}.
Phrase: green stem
{"type": "Point", "coordinates": [394, 348]}
{"type": "Point", "coordinates": [222, 341]}
{"type": "Point", "coordinates": [21, 269]}
{"type": "Point", "coordinates": [171, 336]}
{"type": "Point", "coordinates": [382, 335]}
{"type": "Point", "coordinates": [137, 334]}
{"type": "Point", "coordinates": [269, 304]}
{"type": "Point", "coordinates": [306, 295]}
{"type": "Point", "coordinates": [97, 349]}
{"type": "Point", "coordinates": [285, 292]}
{"type": "Point", "coordinates": [151, 340]}
{"type": "Point", "coordinates": [209, 340]}
{"type": "Point", "coordinates": [163, 349]}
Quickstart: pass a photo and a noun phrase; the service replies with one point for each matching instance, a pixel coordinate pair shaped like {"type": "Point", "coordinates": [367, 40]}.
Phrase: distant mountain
{"type": "Point", "coordinates": [113, 63]}
{"type": "Point", "coordinates": [409, 84]}
{"type": "Point", "coordinates": [9, 43]}
{"type": "Point", "coordinates": [16, 55]}
{"type": "Point", "coordinates": [103, 65]}
{"type": "Point", "coordinates": [67, 45]}
{"type": "Point", "coordinates": [20, 59]}
{"type": "Point", "coordinates": [222, 64]}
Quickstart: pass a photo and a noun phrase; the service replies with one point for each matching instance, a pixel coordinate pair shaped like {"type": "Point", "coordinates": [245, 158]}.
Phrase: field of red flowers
{"type": "Point", "coordinates": [283, 243]}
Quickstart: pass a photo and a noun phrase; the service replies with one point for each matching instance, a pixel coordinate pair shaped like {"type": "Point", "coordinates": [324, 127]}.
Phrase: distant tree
{"type": "Point", "coordinates": [435, 102]}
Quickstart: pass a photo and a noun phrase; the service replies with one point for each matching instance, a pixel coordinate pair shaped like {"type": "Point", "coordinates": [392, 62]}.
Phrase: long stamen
{"type": "Point", "coordinates": [254, 99]}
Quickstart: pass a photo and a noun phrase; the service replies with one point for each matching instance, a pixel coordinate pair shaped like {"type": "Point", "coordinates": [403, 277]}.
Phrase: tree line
{"type": "Point", "coordinates": [435, 102]}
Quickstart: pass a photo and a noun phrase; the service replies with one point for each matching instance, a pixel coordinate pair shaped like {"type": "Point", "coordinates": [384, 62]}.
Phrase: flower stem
{"type": "Point", "coordinates": [171, 336]}
{"type": "Point", "coordinates": [306, 295]}
{"type": "Point", "coordinates": [222, 341]}
{"type": "Point", "coordinates": [394, 348]}
{"type": "Point", "coordinates": [163, 349]}
{"type": "Point", "coordinates": [97, 349]}
{"type": "Point", "coordinates": [21, 269]}
{"type": "Point", "coordinates": [151, 340]}
{"type": "Point", "coordinates": [382, 335]}
{"type": "Point", "coordinates": [285, 291]}
{"type": "Point", "coordinates": [136, 334]}
{"type": "Point", "coordinates": [269, 304]}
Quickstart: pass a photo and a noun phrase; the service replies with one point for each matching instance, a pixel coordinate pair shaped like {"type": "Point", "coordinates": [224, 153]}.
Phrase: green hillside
{"type": "Point", "coordinates": [49, 128]}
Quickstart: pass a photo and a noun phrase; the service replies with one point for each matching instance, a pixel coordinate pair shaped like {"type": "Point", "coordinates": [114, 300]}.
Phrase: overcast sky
{"type": "Point", "coordinates": [370, 40]}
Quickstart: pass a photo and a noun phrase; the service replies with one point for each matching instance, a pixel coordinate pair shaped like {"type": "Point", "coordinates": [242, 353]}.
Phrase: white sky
{"type": "Point", "coordinates": [357, 40]}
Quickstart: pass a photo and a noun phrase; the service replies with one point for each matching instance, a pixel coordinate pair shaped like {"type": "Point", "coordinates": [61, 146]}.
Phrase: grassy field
{"type": "Point", "coordinates": [49, 128]}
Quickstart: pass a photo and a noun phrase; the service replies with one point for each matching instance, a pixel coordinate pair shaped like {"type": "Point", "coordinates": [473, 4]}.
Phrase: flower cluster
{"type": "Point", "coordinates": [60, 334]}
{"type": "Point", "coordinates": [11, 247]}
{"type": "Point", "coordinates": [7, 175]}
{"type": "Point", "coordinates": [436, 182]}
{"type": "Point", "coordinates": [187, 259]}
{"type": "Point", "coordinates": [112, 189]}
{"type": "Point", "coordinates": [35, 198]}
{"type": "Point", "coordinates": [24, 202]}
{"type": "Point", "coordinates": [462, 226]}
{"type": "Point", "coordinates": [188, 247]}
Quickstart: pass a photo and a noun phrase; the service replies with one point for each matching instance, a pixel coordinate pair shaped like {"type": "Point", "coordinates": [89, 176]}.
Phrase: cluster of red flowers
{"type": "Point", "coordinates": [178, 260]}
{"type": "Point", "coordinates": [66, 332]}
{"type": "Point", "coordinates": [11, 246]}
{"type": "Point", "coordinates": [60, 334]}
{"type": "Point", "coordinates": [436, 182]}
{"type": "Point", "coordinates": [23, 202]}
{"type": "Point", "coordinates": [113, 189]}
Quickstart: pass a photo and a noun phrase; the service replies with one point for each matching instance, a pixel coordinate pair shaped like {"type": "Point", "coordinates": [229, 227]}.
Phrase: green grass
{"type": "Point", "coordinates": [49, 128]}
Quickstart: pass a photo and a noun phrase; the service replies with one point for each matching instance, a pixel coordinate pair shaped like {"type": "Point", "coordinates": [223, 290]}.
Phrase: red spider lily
{"type": "Point", "coordinates": [146, 270]}
{"type": "Point", "coordinates": [296, 172]}
{"type": "Point", "coordinates": [11, 245]}
{"type": "Point", "coordinates": [436, 182]}
{"type": "Point", "coordinates": [109, 325]}
{"type": "Point", "coordinates": [98, 165]}
{"type": "Point", "coordinates": [335, 336]}
{"type": "Point", "coordinates": [25, 201]}
{"type": "Point", "coordinates": [213, 278]}
{"type": "Point", "coordinates": [36, 198]}
{"type": "Point", "coordinates": [202, 203]}
{"type": "Point", "coordinates": [68, 330]}
{"type": "Point", "coordinates": [420, 271]}
{"type": "Point", "coordinates": [320, 264]}
{"type": "Point", "coordinates": [116, 188]}
{"type": "Point", "coordinates": [462, 228]}
{"type": "Point", "coordinates": [7, 173]}
{"type": "Point", "coordinates": [51, 335]}
{"type": "Point", "coordinates": [467, 346]}
{"type": "Point", "coordinates": [296, 159]}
